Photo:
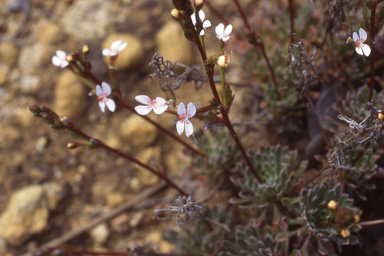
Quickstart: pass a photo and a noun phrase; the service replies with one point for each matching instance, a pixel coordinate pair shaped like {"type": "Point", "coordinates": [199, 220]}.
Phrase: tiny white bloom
{"type": "Point", "coordinates": [102, 93]}
{"type": "Point", "coordinates": [59, 60]}
{"type": "Point", "coordinates": [206, 24]}
{"type": "Point", "coordinates": [223, 34]}
{"type": "Point", "coordinates": [184, 118]}
{"type": "Point", "coordinates": [116, 47]}
{"type": "Point", "coordinates": [360, 47]}
{"type": "Point", "coordinates": [158, 105]}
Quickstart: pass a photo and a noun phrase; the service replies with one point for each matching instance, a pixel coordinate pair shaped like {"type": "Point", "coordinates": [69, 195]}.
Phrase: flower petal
{"type": "Point", "coordinates": [102, 105]}
{"type": "Point", "coordinates": [193, 18]}
{"type": "Point", "coordinates": [115, 45]}
{"type": "Point", "coordinates": [188, 128]}
{"type": "Point", "coordinates": [106, 88]}
{"type": "Point", "coordinates": [206, 24]}
{"type": "Point", "coordinates": [56, 61]}
{"type": "Point", "coordinates": [106, 52]}
{"type": "Point", "coordinates": [110, 104]}
{"type": "Point", "coordinates": [143, 99]}
{"type": "Point", "coordinates": [355, 36]}
{"type": "Point", "coordinates": [98, 90]}
{"type": "Point", "coordinates": [363, 34]}
{"type": "Point", "coordinates": [180, 127]}
{"type": "Point", "coordinates": [228, 29]}
{"type": "Point", "coordinates": [201, 15]}
{"type": "Point", "coordinates": [219, 29]}
{"type": "Point", "coordinates": [202, 32]}
{"type": "Point", "coordinates": [359, 51]}
{"type": "Point", "coordinates": [64, 63]}
{"type": "Point", "coordinates": [160, 101]}
{"type": "Point", "coordinates": [191, 111]}
{"type": "Point", "coordinates": [226, 38]}
{"type": "Point", "coordinates": [181, 109]}
{"type": "Point", "coordinates": [61, 54]}
{"type": "Point", "coordinates": [122, 47]}
{"type": "Point", "coordinates": [143, 110]}
{"type": "Point", "coordinates": [366, 49]}
{"type": "Point", "coordinates": [160, 109]}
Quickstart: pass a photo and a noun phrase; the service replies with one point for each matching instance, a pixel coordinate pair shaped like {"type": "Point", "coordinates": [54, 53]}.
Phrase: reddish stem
{"type": "Point", "coordinates": [291, 7]}
{"type": "Point", "coordinates": [372, 61]}
{"type": "Point", "coordinates": [209, 72]}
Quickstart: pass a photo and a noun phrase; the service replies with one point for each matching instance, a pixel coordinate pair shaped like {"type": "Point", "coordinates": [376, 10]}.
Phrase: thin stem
{"type": "Point", "coordinates": [130, 158]}
{"type": "Point", "coordinates": [372, 29]}
{"type": "Point", "coordinates": [365, 16]}
{"type": "Point", "coordinates": [291, 6]}
{"type": "Point", "coordinates": [256, 41]}
{"type": "Point", "coordinates": [372, 222]}
{"type": "Point", "coordinates": [209, 73]}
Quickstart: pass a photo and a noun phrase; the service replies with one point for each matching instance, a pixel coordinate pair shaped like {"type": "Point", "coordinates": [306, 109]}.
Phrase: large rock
{"type": "Point", "coordinates": [87, 20]}
{"type": "Point", "coordinates": [50, 34]}
{"type": "Point", "coordinates": [26, 214]}
{"type": "Point", "coordinates": [70, 97]}
{"type": "Point", "coordinates": [132, 56]}
{"type": "Point", "coordinates": [137, 131]}
{"type": "Point", "coordinates": [172, 44]}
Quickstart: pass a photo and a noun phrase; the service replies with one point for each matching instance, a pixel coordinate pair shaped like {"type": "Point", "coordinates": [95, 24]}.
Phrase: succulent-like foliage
{"type": "Point", "coordinates": [253, 240]}
{"type": "Point", "coordinates": [279, 169]}
{"type": "Point", "coordinates": [324, 222]}
{"type": "Point", "coordinates": [205, 236]}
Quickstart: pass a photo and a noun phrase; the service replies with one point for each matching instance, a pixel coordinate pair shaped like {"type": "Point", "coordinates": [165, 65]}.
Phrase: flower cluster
{"type": "Point", "coordinates": [206, 24]}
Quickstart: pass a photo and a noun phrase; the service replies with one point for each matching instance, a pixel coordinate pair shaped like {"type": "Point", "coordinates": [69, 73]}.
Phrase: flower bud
{"type": "Point", "coordinates": [332, 205]}
{"type": "Point", "coordinates": [380, 116]}
{"type": "Point", "coordinates": [199, 4]}
{"type": "Point", "coordinates": [70, 59]}
{"type": "Point", "coordinates": [85, 49]}
{"type": "Point", "coordinates": [345, 233]}
{"type": "Point", "coordinates": [349, 40]}
{"type": "Point", "coordinates": [72, 145]}
{"type": "Point", "coordinates": [175, 14]}
{"type": "Point", "coordinates": [344, 218]}
{"type": "Point", "coordinates": [223, 61]}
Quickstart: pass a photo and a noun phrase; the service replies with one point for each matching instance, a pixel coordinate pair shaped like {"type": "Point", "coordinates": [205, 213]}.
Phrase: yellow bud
{"type": "Point", "coordinates": [349, 40]}
{"type": "Point", "coordinates": [85, 49]}
{"type": "Point", "coordinates": [199, 4]}
{"type": "Point", "coordinates": [223, 61]}
{"type": "Point", "coordinates": [70, 59]}
{"type": "Point", "coordinates": [380, 116]}
{"type": "Point", "coordinates": [345, 233]}
{"type": "Point", "coordinates": [332, 205]}
{"type": "Point", "coordinates": [357, 218]}
{"type": "Point", "coordinates": [175, 14]}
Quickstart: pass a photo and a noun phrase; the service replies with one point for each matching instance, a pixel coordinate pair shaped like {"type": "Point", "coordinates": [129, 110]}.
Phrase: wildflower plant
{"type": "Point", "coordinates": [260, 200]}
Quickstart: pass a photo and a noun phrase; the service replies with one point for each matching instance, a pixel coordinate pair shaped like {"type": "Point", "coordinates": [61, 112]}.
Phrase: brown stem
{"type": "Point", "coordinates": [256, 41]}
{"type": "Point", "coordinates": [372, 222]}
{"type": "Point", "coordinates": [372, 61]}
{"type": "Point", "coordinates": [209, 72]}
{"type": "Point", "coordinates": [124, 155]}
{"type": "Point", "coordinates": [291, 6]}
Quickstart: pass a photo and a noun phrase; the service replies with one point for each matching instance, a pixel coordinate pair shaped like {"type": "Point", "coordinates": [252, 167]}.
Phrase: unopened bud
{"type": "Point", "coordinates": [345, 233]}
{"type": "Point", "coordinates": [76, 55]}
{"type": "Point", "coordinates": [332, 205]}
{"type": "Point", "coordinates": [199, 4]}
{"type": "Point", "coordinates": [349, 40]}
{"type": "Point", "coordinates": [380, 116]}
{"type": "Point", "coordinates": [223, 61]}
{"type": "Point", "coordinates": [357, 218]}
{"type": "Point", "coordinates": [175, 14]}
{"type": "Point", "coordinates": [70, 59]}
{"type": "Point", "coordinates": [72, 145]}
{"type": "Point", "coordinates": [85, 49]}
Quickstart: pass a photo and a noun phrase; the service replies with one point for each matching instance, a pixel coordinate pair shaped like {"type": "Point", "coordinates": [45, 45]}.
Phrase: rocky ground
{"type": "Point", "coordinates": [52, 189]}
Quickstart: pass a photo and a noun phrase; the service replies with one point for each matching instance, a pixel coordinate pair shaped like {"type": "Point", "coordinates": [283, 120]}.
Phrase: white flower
{"type": "Point", "coordinates": [360, 47]}
{"type": "Point", "coordinates": [116, 47]}
{"type": "Point", "coordinates": [184, 118]}
{"type": "Point", "coordinates": [102, 97]}
{"type": "Point", "coordinates": [60, 59]}
{"type": "Point", "coordinates": [206, 24]}
{"type": "Point", "coordinates": [223, 34]}
{"type": "Point", "coordinates": [158, 105]}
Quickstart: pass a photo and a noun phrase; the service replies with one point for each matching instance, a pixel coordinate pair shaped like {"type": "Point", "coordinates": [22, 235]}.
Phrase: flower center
{"type": "Point", "coordinates": [183, 117]}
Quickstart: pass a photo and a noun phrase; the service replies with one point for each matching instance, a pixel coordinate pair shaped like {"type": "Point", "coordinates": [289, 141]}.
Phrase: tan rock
{"type": "Point", "coordinates": [114, 199]}
{"type": "Point", "coordinates": [150, 156]}
{"type": "Point", "coordinates": [172, 44]}
{"type": "Point", "coordinates": [54, 193]}
{"type": "Point", "coordinates": [26, 214]}
{"type": "Point", "coordinates": [70, 96]}
{"type": "Point", "coordinates": [120, 223]}
{"type": "Point", "coordinates": [50, 34]}
{"type": "Point", "coordinates": [100, 233]}
{"type": "Point", "coordinates": [156, 239]}
{"type": "Point", "coordinates": [133, 54]}
{"type": "Point", "coordinates": [137, 131]}
{"type": "Point", "coordinates": [31, 58]}
{"type": "Point", "coordinates": [9, 54]}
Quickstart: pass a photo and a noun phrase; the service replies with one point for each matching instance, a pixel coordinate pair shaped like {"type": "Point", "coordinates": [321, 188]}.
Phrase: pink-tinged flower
{"type": "Point", "coordinates": [158, 105]}
{"type": "Point", "coordinates": [102, 93]}
{"type": "Point", "coordinates": [360, 47]}
{"type": "Point", "coordinates": [206, 24]}
{"type": "Point", "coordinates": [184, 118]}
{"type": "Point", "coordinates": [223, 34]}
{"type": "Point", "coordinates": [116, 47]}
{"type": "Point", "coordinates": [59, 60]}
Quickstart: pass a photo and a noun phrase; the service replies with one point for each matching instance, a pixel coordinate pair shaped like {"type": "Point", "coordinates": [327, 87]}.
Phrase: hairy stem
{"type": "Point", "coordinates": [209, 73]}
